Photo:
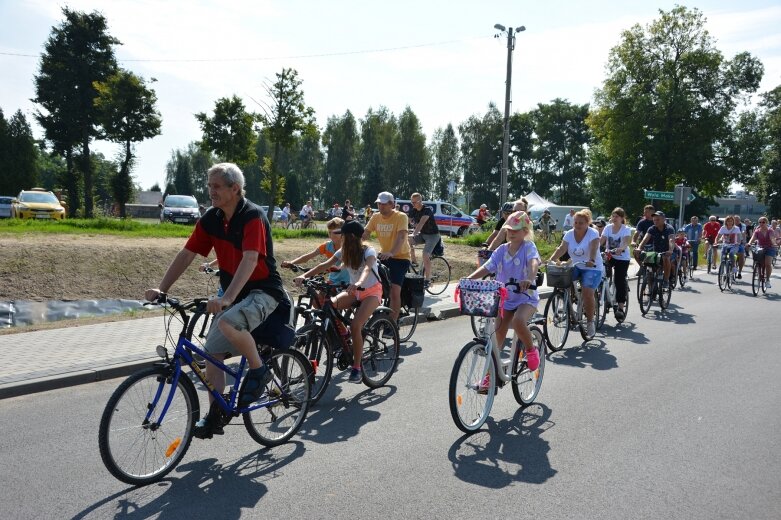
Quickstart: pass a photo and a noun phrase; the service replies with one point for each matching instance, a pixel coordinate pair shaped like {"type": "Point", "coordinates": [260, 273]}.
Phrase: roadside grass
{"type": "Point", "coordinates": [126, 227]}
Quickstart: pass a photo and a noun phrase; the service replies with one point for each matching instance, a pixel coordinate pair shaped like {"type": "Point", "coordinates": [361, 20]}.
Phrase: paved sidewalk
{"type": "Point", "coordinates": [48, 359]}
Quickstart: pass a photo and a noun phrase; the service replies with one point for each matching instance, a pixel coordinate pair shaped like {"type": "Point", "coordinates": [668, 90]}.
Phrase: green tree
{"type": "Point", "coordinates": [340, 139]}
{"type": "Point", "coordinates": [52, 171]}
{"type": "Point", "coordinates": [229, 132]}
{"type": "Point", "coordinates": [522, 165]}
{"type": "Point", "coordinates": [768, 185]}
{"type": "Point", "coordinates": [413, 162]}
{"type": "Point", "coordinates": [560, 151]}
{"type": "Point", "coordinates": [444, 154]}
{"type": "Point", "coordinates": [155, 187]}
{"type": "Point", "coordinates": [18, 154]}
{"type": "Point", "coordinates": [127, 114]}
{"type": "Point", "coordinates": [376, 156]}
{"type": "Point", "coordinates": [186, 170]}
{"type": "Point", "coordinates": [481, 156]}
{"type": "Point", "coordinates": [663, 113]}
{"type": "Point", "coordinates": [286, 117]}
{"type": "Point", "coordinates": [307, 162]}
{"type": "Point", "coordinates": [79, 52]}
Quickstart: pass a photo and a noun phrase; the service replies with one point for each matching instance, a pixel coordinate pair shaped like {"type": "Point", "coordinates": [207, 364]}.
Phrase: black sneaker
{"type": "Point", "coordinates": [740, 275]}
{"type": "Point", "coordinates": [355, 375]}
{"type": "Point", "coordinates": [207, 427]}
{"type": "Point", "coordinates": [254, 385]}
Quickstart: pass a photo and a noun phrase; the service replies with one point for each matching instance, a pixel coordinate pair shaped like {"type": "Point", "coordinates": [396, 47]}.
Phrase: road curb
{"type": "Point", "coordinates": [43, 384]}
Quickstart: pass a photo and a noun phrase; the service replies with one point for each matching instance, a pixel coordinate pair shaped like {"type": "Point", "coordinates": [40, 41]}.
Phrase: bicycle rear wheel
{"type": "Point", "coordinates": [287, 400]}
{"type": "Point", "coordinates": [469, 406]}
{"type": "Point", "coordinates": [665, 294]}
{"type": "Point", "coordinates": [646, 293]}
{"type": "Point", "coordinates": [135, 447]}
{"type": "Point", "coordinates": [641, 274]}
{"type": "Point", "coordinates": [380, 353]}
{"type": "Point", "coordinates": [440, 275]}
{"type": "Point", "coordinates": [407, 322]}
{"type": "Point", "coordinates": [527, 383]}
{"type": "Point", "coordinates": [313, 343]}
{"type": "Point", "coordinates": [683, 276]}
{"type": "Point", "coordinates": [556, 325]}
{"type": "Point", "coordinates": [600, 308]}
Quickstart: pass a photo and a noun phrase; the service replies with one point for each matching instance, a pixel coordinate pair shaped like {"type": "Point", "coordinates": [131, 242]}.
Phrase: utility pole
{"type": "Point", "coordinates": [506, 141]}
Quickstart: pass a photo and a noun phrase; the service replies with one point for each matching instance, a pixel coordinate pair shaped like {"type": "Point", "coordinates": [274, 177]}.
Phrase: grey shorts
{"type": "Point", "coordinates": [430, 242]}
{"type": "Point", "coordinates": [245, 315]}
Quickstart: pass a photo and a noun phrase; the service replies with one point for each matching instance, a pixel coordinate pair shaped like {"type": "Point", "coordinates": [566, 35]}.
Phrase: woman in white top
{"type": "Point", "coordinates": [617, 237]}
{"type": "Point", "coordinates": [582, 244]}
{"type": "Point", "coordinates": [730, 236]}
{"type": "Point", "coordinates": [360, 262]}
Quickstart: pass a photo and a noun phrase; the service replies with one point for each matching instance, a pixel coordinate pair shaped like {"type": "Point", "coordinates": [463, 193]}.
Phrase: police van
{"type": "Point", "coordinates": [450, 219]}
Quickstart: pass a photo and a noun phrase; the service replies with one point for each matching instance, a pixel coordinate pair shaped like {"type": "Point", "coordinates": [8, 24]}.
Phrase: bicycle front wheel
{"type": "Point", "coordinates": [665, 294]}
{"type": "Point", "coordinates": [723, 276]}
{"type": "Point", "coordinates": [380, 351]}
{"type": "Point", "coordinates": [287, 400]}
{"type": "Point", "coordinates": [313, 343]}
{"type": "Point", "coordinates": [136, 445]}
{"type": "Point", "coordinates": [470, 400]}
{"type": "Point", "coordinates": [407, 322]}
{"type": "Point", "coordinates": [646, 293]}
{"type": "Point", "coordinates": [600, 307]}
{"type": "Point", "coordinates": [440, 275]}
{"type": "Point", "coordinates": [527, 383]}
{"type": "Point", "coordinates": [556, 324]}
{"type": "Point", "coordinates": [755, 281]}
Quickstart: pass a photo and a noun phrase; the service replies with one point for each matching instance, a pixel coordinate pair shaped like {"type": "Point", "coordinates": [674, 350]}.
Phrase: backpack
{"type": "Point", "coordinates": [384, 280]}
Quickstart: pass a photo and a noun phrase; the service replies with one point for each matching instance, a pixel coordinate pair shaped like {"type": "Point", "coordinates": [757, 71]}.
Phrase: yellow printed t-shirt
{"type": "Point", "coordinates": [387, 229]}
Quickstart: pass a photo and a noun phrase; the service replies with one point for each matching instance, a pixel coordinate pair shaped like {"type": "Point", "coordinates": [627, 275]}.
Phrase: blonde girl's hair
{"type": "Point", "coordinates": [585, 213]}
{"type": "Point", "coordinates": [334, 223]}
{"type": "Point", "coordinates": [352, 251]}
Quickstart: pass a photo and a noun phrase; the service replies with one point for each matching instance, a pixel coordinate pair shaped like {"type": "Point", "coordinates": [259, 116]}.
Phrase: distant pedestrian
{"type": "Point", "coordinates": [483, 214]}
{"type": "Point", "coordinates": [569, 220]}
{"type": "Point", "coordinates": [348, 211]}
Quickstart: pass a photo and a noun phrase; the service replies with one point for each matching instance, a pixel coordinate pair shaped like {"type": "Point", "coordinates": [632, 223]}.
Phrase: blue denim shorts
{"type": "Point", "coordinates": [589, 278]}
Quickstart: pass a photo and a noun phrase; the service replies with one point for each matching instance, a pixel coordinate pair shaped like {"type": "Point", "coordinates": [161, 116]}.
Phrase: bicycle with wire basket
{"type": "Point", "coordinates": [483, 367]}
{"type": "Point", "coordinates": [564, 309]}
{"type": "Point", "coordinates": [149, 421]}
{"type": "Point", "coordinates": [759, 278]}
{"type": "Point", "coordinates": [325, 341]}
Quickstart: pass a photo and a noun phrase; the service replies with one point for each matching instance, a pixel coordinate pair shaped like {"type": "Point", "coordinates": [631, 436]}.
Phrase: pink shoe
{"type": "Point", "coordinates": [533, 359]}
{"type": "Point", "coordinates": [484, 385]}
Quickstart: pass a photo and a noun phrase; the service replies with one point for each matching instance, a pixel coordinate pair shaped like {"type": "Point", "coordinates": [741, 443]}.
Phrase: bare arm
{"type": "Point", "coordinates": [479, 273]}
{"type": "Point", "coordinates": [301, 259]}
{"type": "Point", "coordinates": [420, 225]}
{"type": "Point", "coordinates": [563, 248]}
{"type": "Point", "coordinates": [499, 240]}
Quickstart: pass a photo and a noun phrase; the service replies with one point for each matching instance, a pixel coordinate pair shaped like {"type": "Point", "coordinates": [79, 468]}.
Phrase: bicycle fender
{"type": "Point", "coordinates": [382, 310]}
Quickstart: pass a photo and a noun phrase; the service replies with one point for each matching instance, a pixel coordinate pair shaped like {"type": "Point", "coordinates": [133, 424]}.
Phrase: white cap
{"type": "Point", "coordinates": [385, 197]}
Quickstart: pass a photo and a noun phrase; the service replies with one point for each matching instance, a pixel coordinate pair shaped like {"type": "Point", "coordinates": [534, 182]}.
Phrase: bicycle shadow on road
{"type": "Point", "coordinates": [409, 348]}
{"type": "Point", "coordinates": [627, 331]}
{"type": "Point", "coordinates": [592, 353]}
{"type": "Point", "coordinates": [203, 488]}
{"type": "Point", "coordinates": [338, 420]}
{"type": "Point", "coordinates": [673, 313]}
{"type": "Point", "coordinates": [511, 450]}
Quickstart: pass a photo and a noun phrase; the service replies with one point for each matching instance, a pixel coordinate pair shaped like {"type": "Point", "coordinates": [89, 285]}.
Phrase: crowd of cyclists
{"type": "Point", "coordinates": [251, 286]}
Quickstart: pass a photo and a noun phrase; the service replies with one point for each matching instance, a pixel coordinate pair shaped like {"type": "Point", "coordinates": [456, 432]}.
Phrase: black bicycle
{"type": "Point", "coordinates": [652, 285]}
{"type": "Point", "coordinates": [322, 343]}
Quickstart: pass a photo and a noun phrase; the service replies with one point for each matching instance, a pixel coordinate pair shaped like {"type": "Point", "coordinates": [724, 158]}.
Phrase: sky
{"type": "Point", "coordinates": [440, 58]}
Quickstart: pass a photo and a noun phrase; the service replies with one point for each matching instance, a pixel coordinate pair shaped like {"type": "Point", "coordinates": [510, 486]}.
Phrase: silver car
{"type": "Point", "coordinates": [277, 212]}
{"type": "Point", "coordinates": [5, 206]}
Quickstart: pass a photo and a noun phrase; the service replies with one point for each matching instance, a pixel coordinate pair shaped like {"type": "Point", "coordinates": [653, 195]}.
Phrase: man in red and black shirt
{"type": "Point", "coordinates": [240, 234]}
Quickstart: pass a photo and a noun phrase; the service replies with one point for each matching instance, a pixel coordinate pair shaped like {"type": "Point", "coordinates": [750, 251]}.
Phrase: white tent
{"type": "Point", "coordinates": [536, 200]}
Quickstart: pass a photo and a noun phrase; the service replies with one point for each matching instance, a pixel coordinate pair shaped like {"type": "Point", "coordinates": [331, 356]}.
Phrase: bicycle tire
{"type": "Point", "coordinates": [755, 281]}
{"type": "Point", "coordinates": [478, 324]}
{"type": "Point", "coordinates": [290, 395]}
{"type": "Point", "coordinates": [527, 383]}
{"type": "Point", "coordinates": [641, 273]}
{"type": "Point", "coordinates": [691, 263]}
{"type": "Point", "coordinates": [295, 225]}
{"type": "Point", "coordinates": [646, 293]}
{"type": "Point", "coordinates": [556, 325]}
{"type": "Point", "coordinates": [665, 294]}
{"type": "Point", "coordinates": [723, 275]}
{"type": "Point", "coordinates": [150, 450]}
{"type": "Point", "coordinates": [683, 277]}
{"type": "Point", "coordinates": [314, 344]}
{"type": "Point", "coordinates": [380, 354]}
{"type": "Point", "coordinates": [439, 276]}
{"type": "Point", "coordinates": [468, 407]}
{"type": "Point", "coordinates": [600, 307]}
{"type": "Point", "coordinates": [581, 313]}
{"type": "Point", "coordinates": [407, 322]}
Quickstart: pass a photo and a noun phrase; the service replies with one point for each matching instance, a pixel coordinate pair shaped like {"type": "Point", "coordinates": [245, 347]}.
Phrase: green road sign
{"type": "Point", "coordinates": [664, 195]}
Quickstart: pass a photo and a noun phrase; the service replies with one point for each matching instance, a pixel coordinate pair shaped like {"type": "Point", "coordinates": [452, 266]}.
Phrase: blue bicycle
{"type": "Point", "coordinates": [148, 422]}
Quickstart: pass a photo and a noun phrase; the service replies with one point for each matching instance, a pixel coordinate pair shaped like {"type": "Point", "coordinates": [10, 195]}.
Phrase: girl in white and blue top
{"type": "Point", "coordinates": [617, 236]}
{"type": "Point", "coordinates": [582, 244]}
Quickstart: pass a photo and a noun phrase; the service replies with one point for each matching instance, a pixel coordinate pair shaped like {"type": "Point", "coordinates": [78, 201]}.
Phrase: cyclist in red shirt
{"type": "Point", "coordinates": [709, 232]}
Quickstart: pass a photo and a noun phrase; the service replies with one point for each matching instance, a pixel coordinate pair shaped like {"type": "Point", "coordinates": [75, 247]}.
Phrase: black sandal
{"type": "Point", "coordinates": [254, 386]}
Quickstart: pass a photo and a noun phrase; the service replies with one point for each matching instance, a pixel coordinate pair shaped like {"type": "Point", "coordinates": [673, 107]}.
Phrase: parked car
{"type": "Point", "coordinates": [6, 205]}
{"type": "Point", "coordinates": [180, 209]}
{"type": "Point", "coordinates": [450, 220]}
{"type": "Point", "coordinates": [277, 212]}
{"type": "Point", "coordinates": [37, 203]}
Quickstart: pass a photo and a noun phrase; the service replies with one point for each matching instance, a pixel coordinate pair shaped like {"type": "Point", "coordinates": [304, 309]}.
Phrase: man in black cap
{"type": "Point", "coordinates": [661, 236]}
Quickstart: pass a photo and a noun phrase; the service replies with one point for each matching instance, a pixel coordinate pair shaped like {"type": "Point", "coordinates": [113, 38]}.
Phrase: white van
{"type": "Point", "coordinates": [450, 219]}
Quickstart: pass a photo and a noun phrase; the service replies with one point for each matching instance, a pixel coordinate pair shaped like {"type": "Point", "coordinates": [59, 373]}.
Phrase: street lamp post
{"type": "Point", "coordinates": [506, 143]}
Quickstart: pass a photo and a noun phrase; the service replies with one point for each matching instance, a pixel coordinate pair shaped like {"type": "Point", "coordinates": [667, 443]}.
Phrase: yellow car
{"type": "Point", "coordinates": [37, 203]}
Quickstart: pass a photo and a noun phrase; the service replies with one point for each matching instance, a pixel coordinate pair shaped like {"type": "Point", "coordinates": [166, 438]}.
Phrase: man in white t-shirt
{"type": "Point", "coordinates": [569, 220]}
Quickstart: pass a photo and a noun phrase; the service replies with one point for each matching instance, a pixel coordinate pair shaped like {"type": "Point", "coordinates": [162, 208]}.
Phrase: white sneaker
{"type": "Point", "coordinates": [767, 284]}
{"type": "Point", "coordinates": [591, 329]}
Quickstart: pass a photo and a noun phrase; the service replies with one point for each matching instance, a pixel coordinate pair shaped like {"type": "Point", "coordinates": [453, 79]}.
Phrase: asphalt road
{"type": "Point", "coordinates": [671, 416]}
